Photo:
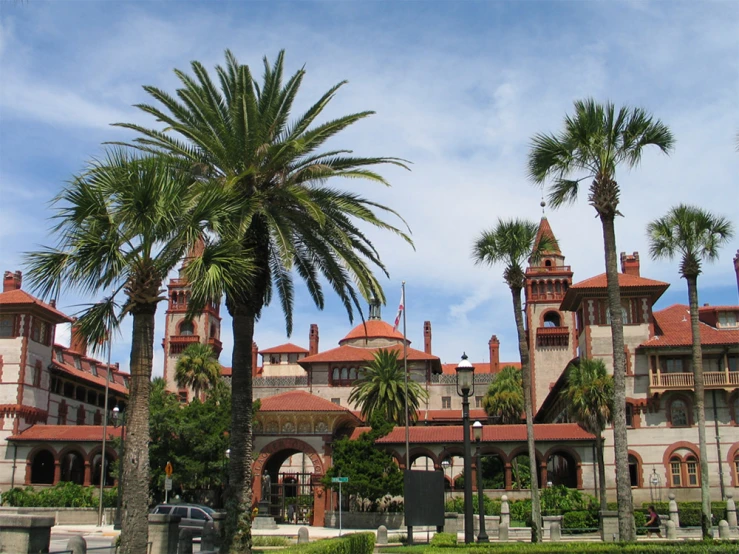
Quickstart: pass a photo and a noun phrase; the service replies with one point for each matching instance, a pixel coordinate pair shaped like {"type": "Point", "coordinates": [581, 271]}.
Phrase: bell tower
{"type": "Point", "coordinates": [181, 331]}
{"type": "Point", "coordinates": [551, 331]}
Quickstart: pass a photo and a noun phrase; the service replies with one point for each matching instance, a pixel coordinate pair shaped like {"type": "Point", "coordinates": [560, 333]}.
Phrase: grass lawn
{"type": "Point", "coordinates": [682, 547]}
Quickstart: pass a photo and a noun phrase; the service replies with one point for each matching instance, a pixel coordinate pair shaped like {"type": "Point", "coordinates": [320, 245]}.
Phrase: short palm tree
{"type": "Point", "coordinates": [197, 368]}
{"type": "Point", "coordinates": [511, 243]}
{"type": "Point", "coordinates": [381, 388]}
{"type": "Point", "coordinates": [241, 137]}
{"type": "Point", "coordinates": [589, 397]}
{"type": "Point", "coordinates": [504, 398]}
{"type": "Point", "coordinates": [695, 235]}
{"type": "Point", "coordinates": [594, 142]}
{"type": "Point", "coordinates": [123, 225]}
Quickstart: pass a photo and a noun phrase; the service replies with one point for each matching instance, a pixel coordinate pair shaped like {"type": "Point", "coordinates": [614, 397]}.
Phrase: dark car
{"type": "Point", "coordinates": [194, 516]}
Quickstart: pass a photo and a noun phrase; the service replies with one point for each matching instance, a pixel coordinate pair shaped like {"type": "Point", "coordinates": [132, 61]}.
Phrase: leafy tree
{"type": "Point", "coordinates": [695, 235]}
{"type": "Point", "coordinates": [372, 472]}
{"type": "Point", "coordinates": [197, 368]}
{"type": "Point", "coordinates": [511, 243]}
{"type": "Point", "coordinates": [123, 225]}
{"type": "Point", "coordinates": [381, 388]}
{"type": "Point", "coordinates": [238, 137]}
{"type": "Point", "coordinates": [504, 397]}
{"type": "Point", "coordinates": [594, 142]}
{"type": "Point", "coordinates": [589, 396]}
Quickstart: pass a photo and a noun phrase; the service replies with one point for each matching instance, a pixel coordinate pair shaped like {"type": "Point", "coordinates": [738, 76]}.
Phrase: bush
{"type": "Point", "coordinates": [61, 495]}
{"type": "Point", "coordinates": [579, 520]}
{"type": "Point", "coordinates": [270, 540]}
{"type": "Point", "coordinates": [356, 543]}
{"type": "Point", "coordinates": [640, 521]}
{"type": "Point", "coordinates": [444, 539]}
{"type": "Point", "coordinates": [690, 512]}
{"type": "Point", "coordinates": [560, 499]}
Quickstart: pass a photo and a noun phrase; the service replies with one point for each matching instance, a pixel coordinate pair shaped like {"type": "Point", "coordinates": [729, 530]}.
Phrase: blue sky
{"type": "Point", "coordinates": [459, 89]}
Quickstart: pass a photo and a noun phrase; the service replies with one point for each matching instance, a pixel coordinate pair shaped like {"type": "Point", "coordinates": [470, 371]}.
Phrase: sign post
{"type": "Point", "coordinates": [340, 480]}
{"type": "Point", "coordinates": [168, 469]}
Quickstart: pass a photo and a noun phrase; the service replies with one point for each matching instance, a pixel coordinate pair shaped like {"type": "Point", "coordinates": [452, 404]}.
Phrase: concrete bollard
{"type": "Point", "coordinates": [184, 544]}
{"type": "Point", "coordinates": [609, 526]}
{"type": "Point", "coordinates": [208, 538]}
{"type": "Point", "coordinates": [731, 511]}
{"type": "Point", "coordinates": [303, 537]}
{"type": "Point", "coordinates": [674, 515]}
{"type": "Point", "coordinates": [503, 532]}
{"type": "Point", "coordinates": [505, 511]}
{"type": "Point", "coordinates": [219, 523]}
{"type": "Point", "coordinates": [671, 531]}
{"type": "Point", "coordinates": [555, 532]}
{"type": "Point", "coordinates": [723, 529]}
{"type": "Point", "coordinates": [77, 545]}
{"type": "Point", "coordinates": [21, 534]}
{"type": "Point", "coordinates": [163, 529]}
{"type": "Point", "coordinates": [382, 535]}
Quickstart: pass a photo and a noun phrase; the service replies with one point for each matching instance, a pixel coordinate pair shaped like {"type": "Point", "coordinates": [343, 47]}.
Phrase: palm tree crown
{"type": "Point", "coordinates": [197, 368]}
{"type": "Point", "coordinates": [589, 394]}
{"type": "Point", "coordinates": [381, 388]}
{"type": "Point", "coordinates": [504, 397]}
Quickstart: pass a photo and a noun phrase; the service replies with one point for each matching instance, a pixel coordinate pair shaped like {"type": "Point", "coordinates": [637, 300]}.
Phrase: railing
{"type": "Point", "coordinates": [178, 343]}
{"type": "Point", "coordinates": [711, 380]}
{"type": "Point", "coordinates": [548, 269]}
{"type": "Point", "coordinates": [552, 336]}
{"type": "Point", "coordinates": [216, 345]}
{"type": "Point", "coordinates": [281, 381]}
{"type": "Point", "coordinates": [445, 379]}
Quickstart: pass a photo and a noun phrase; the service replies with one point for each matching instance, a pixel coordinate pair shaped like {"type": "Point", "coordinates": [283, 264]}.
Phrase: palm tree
{"type": "Point", "coordinates": [695, 235]}
{"type": "Point", "coordinates": [504, 398]}
{"type": "Point", "coordinates": [238, 137]}
{"type": "Point", "coordinates": [381, 388]}
{"type": "Point", "coordinates": [197, 368]}
{"type": "Point", "coordinates": [589, 397]}
{"type": "Point", "coordinates": [511, 243]}
{"type": "Point", "coordinates": [593, 143]}
{"type": "Point", "coordinates": [123, 225]}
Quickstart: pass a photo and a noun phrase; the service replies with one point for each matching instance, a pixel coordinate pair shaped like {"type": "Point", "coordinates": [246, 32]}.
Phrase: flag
{"type": "Point", "coordinates": [401, 307]}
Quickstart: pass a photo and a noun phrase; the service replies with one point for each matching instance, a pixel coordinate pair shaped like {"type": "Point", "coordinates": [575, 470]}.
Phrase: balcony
{"type": "Point", "coordinates": [178, 343]}
{"type": "Point", "coordinates": [661, 382]}
{"type": "Point", "coordinates": [548, 269]}
{"type": "Point", "coordinates": [216, 345]}
{"type": "Point", "coordinates": [553, 336]}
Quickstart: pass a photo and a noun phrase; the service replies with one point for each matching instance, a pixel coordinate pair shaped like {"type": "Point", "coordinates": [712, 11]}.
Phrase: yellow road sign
{"type": "Point", "coordinates": [168, 469]}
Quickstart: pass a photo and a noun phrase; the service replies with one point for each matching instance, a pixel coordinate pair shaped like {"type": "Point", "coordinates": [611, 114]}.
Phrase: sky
{"type": "Point", "coordinates": [459, 88]}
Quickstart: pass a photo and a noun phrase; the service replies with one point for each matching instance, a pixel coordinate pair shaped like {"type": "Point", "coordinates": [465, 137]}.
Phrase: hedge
{"type": "Point", "coordinates": [444, 539]}
{"type": "Point", "coordinates": [707, 547]}
{"type": "Point", "coordinates": [355, 543]}
{"type": "Point", "coordinates": [61, 495]}
{"type": "Point", "coordinates": [690, 512]}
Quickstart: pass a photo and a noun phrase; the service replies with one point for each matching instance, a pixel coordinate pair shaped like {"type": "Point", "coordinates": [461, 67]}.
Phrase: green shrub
{"type": "Point", "coordinates": [560, 499]}
{"type": "Point", "coordinates": [640, 521]}
{"type": "Point", "coordinates": [521, 511]}
{"type": "Point", "coordinates": [444, 539]}
{"type": "Point", "coordinates": [690, 512]}
{"type": "Point", "coordinates": [270, 540]}
{"type": "Point", "coordinates": [356, 543]}
{"type": "Point", "coordinates": [578, 520]}
{"type": "Point", "coordinates": [61, 495]}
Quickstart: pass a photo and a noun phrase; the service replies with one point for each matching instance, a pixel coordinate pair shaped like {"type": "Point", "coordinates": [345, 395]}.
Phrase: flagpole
{"type": "Point", "coordinates": [105, 425]}
{"type": "Point", "coordinates": [405, 373]}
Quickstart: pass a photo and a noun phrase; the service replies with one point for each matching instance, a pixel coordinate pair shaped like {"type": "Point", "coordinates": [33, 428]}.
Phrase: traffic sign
{"type": "Point", "coordinates": [168, 469]}
{"type": "Point", "coordinates": [168, 484]}
{"type": "Point", "coordinates": [339, 479]}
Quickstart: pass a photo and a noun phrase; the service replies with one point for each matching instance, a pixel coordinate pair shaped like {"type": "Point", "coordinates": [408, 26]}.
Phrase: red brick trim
{"type": "Point", "coordinates": [733, 454]}
{"type": "Point", "coordinates": [688, 405]}
{"type": "Point", "coordinates": [421, 452]}
{"type": "Point", "coordinates": [670, 453]}
{"type": "Point", "coordinates": [32, 454]}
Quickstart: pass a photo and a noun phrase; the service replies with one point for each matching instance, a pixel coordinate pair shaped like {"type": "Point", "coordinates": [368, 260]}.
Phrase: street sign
{"type": "Point", "coordinates": [168, 469]}
{"type": "Point", "coordinates": [339, 479]}
{"type": "Point", "coordinates": [168, 484]}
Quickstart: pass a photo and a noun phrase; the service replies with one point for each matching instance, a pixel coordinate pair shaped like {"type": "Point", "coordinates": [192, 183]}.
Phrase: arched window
{"type": "Point", "coordinates": [679, 413]}
{"type": "Point", "coordinates": [547, 263]}
{"type": "Point", "coordinates": [42, 468]}
{"type": "Point", "coordinates": [344, 373]}
{"type": "Point", "coordinates": [96, 463]}
{"type": "Point", "coordinates": [629, 415]}
{"type": "Point", "coordinates": [353, 373]}
{"type": "Point", "coordinates": [212, 330]}
{"type": "Point", "coordinates": [335, 374]}
{"type": "Point", "coordinates": [736, 468]}
{"type": "Point", "coordinates": [685, 471]}
{"type": "Point", "coordinates": [187, 329]}
{"type": "Point", "coordinates": [675, 472]}
{"type": "Point", "coordinates": [552, 319]}
{"type": "Point", "coordinates": [691, 467]}
{"type": "Point", "coordinates": [634, 470]}
{"type": "Point", "coordinates": [72, 468]}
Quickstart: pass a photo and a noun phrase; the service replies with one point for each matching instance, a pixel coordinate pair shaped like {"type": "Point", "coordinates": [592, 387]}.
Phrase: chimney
{"type": "Point", "coordinates": [313, 340]}
{"type": "Point", "coordinates": [427, 337]}
{"type": "Point", "coordinates": [630, 264]}
{"type": "Point", "coordinates": [494, 345]}
{"type": "Point", "coordinates": [254, 354]}
{"type": "Point", "coordinates": [12, 281]}
{"type": "Point", "coordinates": [78, 343]}
{"type": "Point", "coordinates": [736, 269]}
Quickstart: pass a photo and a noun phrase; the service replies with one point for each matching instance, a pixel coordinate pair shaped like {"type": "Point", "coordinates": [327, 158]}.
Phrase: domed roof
{"type": "Point", "coordinates": [373, 329]}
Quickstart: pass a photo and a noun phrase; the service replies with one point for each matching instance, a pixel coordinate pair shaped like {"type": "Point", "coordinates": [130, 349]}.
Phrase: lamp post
{"type": "Point", "coordinates": [119, 420]}
{"type": "Point", "coordinates": [466, 387]}
{"type": "Point", "coordinates": [477, 431]}
{"type": "Point", "coordinates": [444, 466]}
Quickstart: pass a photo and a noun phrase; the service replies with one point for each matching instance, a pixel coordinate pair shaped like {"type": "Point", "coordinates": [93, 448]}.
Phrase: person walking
{"type": "Point", "coordinates": [653, 524]}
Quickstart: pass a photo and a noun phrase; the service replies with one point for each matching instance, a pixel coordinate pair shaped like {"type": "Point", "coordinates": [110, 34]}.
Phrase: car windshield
{"type": "Point", "coordinates": [209, 511]}
{"type": "Point", "coordinates": [163, 509]}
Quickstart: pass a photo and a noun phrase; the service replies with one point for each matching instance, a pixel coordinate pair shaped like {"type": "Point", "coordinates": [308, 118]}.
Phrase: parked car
{"type": "Point", "coordinates": [194, 516]}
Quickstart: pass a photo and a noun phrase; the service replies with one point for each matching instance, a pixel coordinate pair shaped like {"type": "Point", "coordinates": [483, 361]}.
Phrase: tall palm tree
{"type": "Point", "coordinates": [504, 397]}
{"type": "Point", "coordinates": [511, 243]}
{"type": "Point", "coordinates": [238, 136]}
{"type": "Point", "coordinates": [595, 141]}
{"type": "Point", "coordinates": [589, 397]}
{"type": "Point", "coordinates": [695, 235]}
{"type": "Point", "coordinates": [123, 225]}
{"type": "Point", "coordinates": [197, 368]}
{"type": "Point", "coordinates": [380, 388]}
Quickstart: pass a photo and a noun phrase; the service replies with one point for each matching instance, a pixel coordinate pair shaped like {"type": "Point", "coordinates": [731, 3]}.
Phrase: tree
{"type": "Point", "coordinates": [381, 389]}
{"type": "Point", "coordinates": [123, 225]}
{"type": "Point", "coordinates": [238, 137]}
{"type": "Point", "coordinates": [510, 243]}
{"type": "Point", "coordinates": [197, 368]}
{"type": "Point", "coordinates": [589, 397]}
{"type": "Point", "coordinates": [695, 235]}
{"type": "Point", "coordinates": [504, 398]}
{"type": "Point", "coordinates": [595, 141]}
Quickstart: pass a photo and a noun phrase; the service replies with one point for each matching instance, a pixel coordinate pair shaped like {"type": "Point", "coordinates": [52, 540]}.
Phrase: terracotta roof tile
{"type": "Point", "coordinates": [546, 229]}
{"type": "Point", "coordinates": [58, 433]}
{"type": "Point", "coordinates": [299, 401]}
{"type": "Point", "coordinates": [374, 328]}
{"type": "Point", "coordinates": [20, 297]}
{"type": "Point", "coordinates": [626, 281]}
{"type": "Point", "coordinates": [451, 415]}
{"type": "Point", "coordinates": [348, 353]}
{"type": "Point", "coordinates": [480, 367]}
{"type": "Point", "coordinates": [287, 348]}
{"type": "Point", "coordinates": [673, 329]}
{"type": "Point", "coordinates": [67, 366]}
{"type": "Point", "coordinates": [490, 433]}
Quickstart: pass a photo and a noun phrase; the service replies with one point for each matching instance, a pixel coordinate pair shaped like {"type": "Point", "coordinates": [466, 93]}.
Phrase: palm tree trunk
{"type": "Point", "coordinates": [601, 470]}
{"type": "Point", "coordinates": [700, 405]}
{"type": "Point", "coordinates": [523, 349]}
{"type": "Point", "coordinates": [135, 485]}
{"type": "Point", "coordinates": [239, 493]}
{"type": "Point", "coordinates": [626, 529]}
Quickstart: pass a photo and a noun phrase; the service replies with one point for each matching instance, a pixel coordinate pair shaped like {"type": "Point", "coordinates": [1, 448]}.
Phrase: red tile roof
{"type": "Point", "coordinates": [626, 281]}
{"type": "Point", "coordinates": [673, 329]}
{"type": "Point", "coordinates": [299, 401]}
{"type": "Point", "coordinates": [287, 348]}
{"type": "Point", "coordinates": [20, 297]}
{"type": "Point", "coordinates": [67, 366]}
{"type": "Point", "coordinates": [480, 367]}
{"type": "Point", "coordinates": [374, 328]}
{"type": "Point", "coordinates": [59, 433]}
{"type": "Point", "coordinates": [490, 433]}
{"type": "Point", "coordinates": [348, 353]}
{"type": "Point", "coordinates": [545, 229]}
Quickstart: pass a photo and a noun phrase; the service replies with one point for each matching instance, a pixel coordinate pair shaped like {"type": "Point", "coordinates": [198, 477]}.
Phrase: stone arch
{"type": "Point", "coordinates": [421, 452]}
{"type": "Point", "coordinates": [672, 452]}
{"type": "Point", "coordinates": [190, 325]}
{"type": "Point", "coordinates": [524, 451]}
{"type": "Point", "coordinates": [550, 318]}
{"type": "Point", "coordinates": [731, 458]}
{"type": "Point", "coordinates": [41, 466]}
{"type": "Point", "coordinates": [288, 444]}
{"type": "Point", "coordinates": [94, 460]}
{"type": "Point", "coordinates": [498, 478]}
{"type": "Point", "coordinates": [73, 465]}
{"type": "Point", "coordinates": [560, 475]}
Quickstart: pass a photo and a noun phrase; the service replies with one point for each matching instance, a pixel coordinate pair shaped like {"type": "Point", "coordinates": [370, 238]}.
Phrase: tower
{"type": "Point", "coordinates": [181, 331]}
{"type": "Point", "coordinates": [551, 331]}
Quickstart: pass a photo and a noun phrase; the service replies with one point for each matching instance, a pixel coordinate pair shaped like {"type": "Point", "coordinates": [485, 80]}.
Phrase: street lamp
{"type": "Point", "coordinates": [119, 420]}
{"type": "Point", "coordinates": [477, 431]}
{"type": "Point", "coordinates": [445, 463]}
{"type": "Point", "coordinates": [466, 387]}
